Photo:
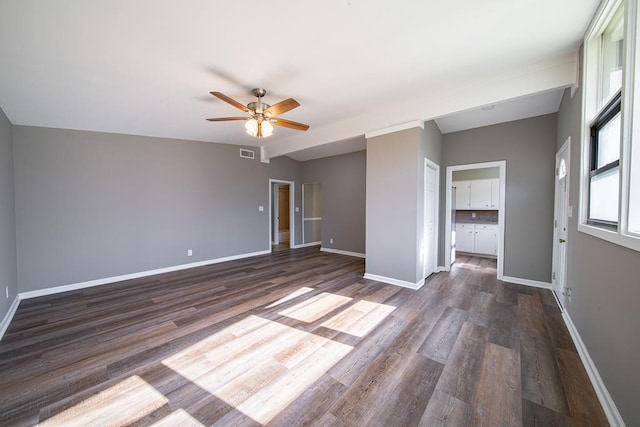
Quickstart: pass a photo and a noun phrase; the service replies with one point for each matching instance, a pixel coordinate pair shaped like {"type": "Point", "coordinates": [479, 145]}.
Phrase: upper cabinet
{"type": "Point", "coordinates": [477, 194]}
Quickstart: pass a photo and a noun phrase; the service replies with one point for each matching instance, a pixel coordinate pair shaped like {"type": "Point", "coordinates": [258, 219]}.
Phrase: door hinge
{"type": "Point", "coordinates": [553, 276]}
{"type": "Point", "coordinates": [555, 223]}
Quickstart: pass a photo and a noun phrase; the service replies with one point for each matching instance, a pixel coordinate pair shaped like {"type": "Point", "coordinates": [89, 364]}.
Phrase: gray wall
{"type": "Point", "coordinates": [94, 205]}
{"type": "Point", "coordinates": [484, 173]}
{"type": "Point", "coordinates": [431, 148]}
{"type": "Point", "coordinates": [395, 197]}
{"type": "Point", "coordinates": [392, 205]}
{"type": "Point", "coordinates": [606, 288]}
{"type": "Point", "coordinates": [528, 146]}
{"type": "Point", "coordinates": [8, 263]}
{"type": "Point", "coordinates": [343, 190]}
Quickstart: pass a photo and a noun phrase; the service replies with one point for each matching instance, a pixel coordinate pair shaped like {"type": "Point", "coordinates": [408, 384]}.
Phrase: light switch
{"type": "Point", "coordinates": [260, 208]}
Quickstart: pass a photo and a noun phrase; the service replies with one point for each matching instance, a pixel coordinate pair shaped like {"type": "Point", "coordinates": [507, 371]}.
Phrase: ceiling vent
{"type": "Point", "coordinates": [247, 154]}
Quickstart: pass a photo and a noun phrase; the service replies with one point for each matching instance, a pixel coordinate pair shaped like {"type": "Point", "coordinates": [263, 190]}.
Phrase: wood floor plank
{"type": "Point", "coordinates": [541, 381]}
{"type": "Point", "coordinates": [296, 337]}
{"type": "Point", "coordinates": [443, 336]}
{"type": "Point", "coordinates": [445, 410]}
{"type": "Point", "coordinates": [498, 399]}
{"type": "Point", "coordinates": [583, 403]}
{"type": "Point", "coordinates": [461, 373]}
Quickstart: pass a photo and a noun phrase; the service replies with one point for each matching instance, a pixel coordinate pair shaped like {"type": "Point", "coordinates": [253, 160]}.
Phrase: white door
{"type": "Point", "coordinates": [429, 221]}
{"type": "Point", "coordinates": [559, 274]}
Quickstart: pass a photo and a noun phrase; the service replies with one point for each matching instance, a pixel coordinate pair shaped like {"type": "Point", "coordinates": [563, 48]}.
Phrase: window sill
{"type": "Point", "coordinates": [614, 237]}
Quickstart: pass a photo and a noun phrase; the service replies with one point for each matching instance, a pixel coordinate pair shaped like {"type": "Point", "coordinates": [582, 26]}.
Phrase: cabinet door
{"type": "Point", "coordinates": [480, 194]}
{"type": "Point", "coordinates": [495, 194]}
{"type": "Point", "coordinates": [486, 241]}
{"type": "Point", "coordinates": [464, 239]}
{"type": "Point", "coordinates": [462, 194]}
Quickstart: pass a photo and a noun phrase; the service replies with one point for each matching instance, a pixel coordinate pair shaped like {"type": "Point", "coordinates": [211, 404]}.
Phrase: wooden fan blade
{"type": "Point", "coordinates": [282, 107]}
{"type": "Point", "coordinates": [225, 119]}
{"type": "Point", "coordinates": [289, 124]}
{"type": "Point", "coordinates": [231, 101]}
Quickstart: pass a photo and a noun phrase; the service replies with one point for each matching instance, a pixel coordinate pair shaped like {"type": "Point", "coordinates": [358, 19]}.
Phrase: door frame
{"type": "Point", "coordinates": [428, 164]}
{"type": "Point", "coordinates": [502, 173]}
{"type": "Point", "coordinates": [559, 271]}
{"type": "Point", "coordinates": [292, 186]}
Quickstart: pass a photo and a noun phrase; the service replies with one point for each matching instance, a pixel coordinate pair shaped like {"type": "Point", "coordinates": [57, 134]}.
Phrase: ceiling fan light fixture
{"type": "Point", "coordinates": [267, 129]}
{"type": "Point", "coordinates": [252, 127]}
{"type": "Point", "coordinates": [262, 116]}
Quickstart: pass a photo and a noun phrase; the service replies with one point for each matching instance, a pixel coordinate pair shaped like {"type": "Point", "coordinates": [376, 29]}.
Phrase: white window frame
{"type": "Point", "coordinates": [590, 108]}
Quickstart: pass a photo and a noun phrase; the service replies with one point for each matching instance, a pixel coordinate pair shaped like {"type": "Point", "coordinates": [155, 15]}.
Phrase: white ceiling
{"type": "Point", "coordinates": [145, 67]}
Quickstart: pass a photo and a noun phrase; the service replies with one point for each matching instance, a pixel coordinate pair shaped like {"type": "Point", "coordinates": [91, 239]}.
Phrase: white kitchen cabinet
{"type": "Point", "coordinates": [495, 193]}
{"type": "Point", "coordinates": [481, 239]}
{"type": "Point", "coordinates": [480, 194]}
{"type": "Point", "coordinates": [486, 239]}
{"type": "Point", "coordinates": [462, 194]}
{"type": "Point", "coordinates": [465, 237]}
{"type": "Point", "coordinates": [477, 194]}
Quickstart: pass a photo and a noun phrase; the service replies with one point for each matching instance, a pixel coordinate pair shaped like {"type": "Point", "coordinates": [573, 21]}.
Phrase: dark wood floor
{"type": "Point", "coordinates": [295, 338]}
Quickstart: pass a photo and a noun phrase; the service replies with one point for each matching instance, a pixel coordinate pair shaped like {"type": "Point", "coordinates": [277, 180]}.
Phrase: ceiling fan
{"type": "Point", "coordinates": [261, 116]}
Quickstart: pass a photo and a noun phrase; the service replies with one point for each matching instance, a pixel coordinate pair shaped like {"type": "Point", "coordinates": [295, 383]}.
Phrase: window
{"type": "Point", "coordinates": [604, 171]}
{"type": "Point", "coordinates": [610, 184]}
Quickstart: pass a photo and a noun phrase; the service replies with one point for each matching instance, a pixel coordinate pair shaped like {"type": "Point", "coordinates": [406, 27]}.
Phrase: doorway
{"type": "Point", "coordinates": [281, 213]}
{"type": "Point", "coordinates": [560, 223]}
{"type": "Point", "coordinates": [451, 240]}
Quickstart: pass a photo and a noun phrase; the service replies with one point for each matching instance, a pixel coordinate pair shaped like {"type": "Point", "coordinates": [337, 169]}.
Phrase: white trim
{"type": "Point", "coordinates": [6, 321]}
{"type": "Point", "coordinates": [263, 156]}
{"type": "Point", "coordinates": [306, 245]}
{"type": "Point", "coordinates": [113, 279]}
{"type": "Point", "coordinates": [442, 268]}
{"type": "Point", "coordinates": [527, 282]}
{"type": "Point", "coordinates": [608, 405]}
{"type": "Point", "coordinates": [436, 232]}
{"type": "Point", "coordinates": [614, 237]}
{"type": "Point", "coordinates": [395, 128]}
{"type": "Point", "coordinates": [312, 219]}
{"type": "Point", "coordinates": [341, 252]}
{"type": "Point", "coordinates": [590, 109]}
{"type": "Point", "coordinates": [502, 167]}
{"type": "Point", "coordinates": [292, 210]}
{"type": "Point", "coordinates": [391, 281]}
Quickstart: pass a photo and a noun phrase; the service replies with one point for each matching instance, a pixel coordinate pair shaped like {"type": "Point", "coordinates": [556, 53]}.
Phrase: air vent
{"type": "Point", "coordinates": [247, 154]}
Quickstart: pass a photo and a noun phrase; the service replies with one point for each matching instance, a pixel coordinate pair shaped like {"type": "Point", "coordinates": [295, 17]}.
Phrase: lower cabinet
{"type": "Point", "coordinates": [479, 239]}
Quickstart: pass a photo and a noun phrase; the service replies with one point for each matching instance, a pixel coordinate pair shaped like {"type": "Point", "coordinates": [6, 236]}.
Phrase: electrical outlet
{"type": "Point", "coordinates": [260, 208]}
{"type": "Point", "coordinates": [189, 252]}
{"type": "Point", "coordinates": [473, 214]}
{"type": "Point", "coordinates": [297, 209]}
{"type": "Point", "coordinates": [331, 240]}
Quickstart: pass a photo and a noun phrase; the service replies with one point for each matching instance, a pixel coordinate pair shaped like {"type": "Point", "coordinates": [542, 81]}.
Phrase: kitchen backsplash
{"type": "Point", "coordinates": [481, 216]}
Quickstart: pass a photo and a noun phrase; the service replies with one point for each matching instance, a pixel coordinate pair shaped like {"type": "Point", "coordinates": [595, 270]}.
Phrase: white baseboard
{"type": "Point", "coordinates": [396, 282]}
{"type": "Point", "coordinates": [98, 282]}
{"type": "Point", "coordinates": [9, 316]}
{"type": "Point", "coordinates": [527, 282]}
{"type": "Point", "coordinates": [608, 405]}
{"type": "Point", "coordinates": [442, 268]}
{"type": "Point", "coordinates": [341, 252]}
{"type": "Point", "coordinates": [306, 245]}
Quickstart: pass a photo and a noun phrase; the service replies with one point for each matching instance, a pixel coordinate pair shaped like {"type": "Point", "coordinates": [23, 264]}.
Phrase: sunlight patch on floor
{"type": "Point", "coordinates": [292, 295]}
{"type": "Point", "coordinates": [260, 372]}
{"type": "Point", "coordinates": [314, 308]}
{"type": "Point", "coordinates": [121, 404]}
{"type": "Point", "coordinates": [360, 318]}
